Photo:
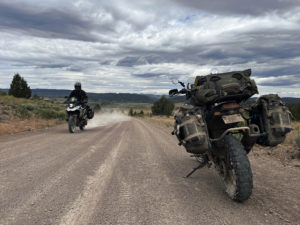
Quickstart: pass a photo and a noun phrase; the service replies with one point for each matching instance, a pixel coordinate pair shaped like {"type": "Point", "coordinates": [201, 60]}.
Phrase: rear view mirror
{"type": "Point", "coordinates": [173, 92]}
{"type": "Point", "coordinates": [181, 83]}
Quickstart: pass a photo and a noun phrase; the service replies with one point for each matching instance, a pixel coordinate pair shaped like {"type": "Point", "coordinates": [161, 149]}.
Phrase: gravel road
{"type": "Point", "coordinates": [130, 172]}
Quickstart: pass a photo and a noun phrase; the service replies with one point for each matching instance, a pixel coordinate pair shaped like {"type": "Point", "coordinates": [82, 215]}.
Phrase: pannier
{"type": "Point", "coordinates": [191, 131]}
{"type": "Point", "coordinates": [235, 85]}
{"type": "Point", "coordinates": [273, 118]}
{"type": "Point", "coordinates": [90, 113]}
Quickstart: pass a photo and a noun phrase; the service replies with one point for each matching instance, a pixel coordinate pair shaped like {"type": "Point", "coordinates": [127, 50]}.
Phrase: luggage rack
{"type": "Point", "coordinates": [231, 130]}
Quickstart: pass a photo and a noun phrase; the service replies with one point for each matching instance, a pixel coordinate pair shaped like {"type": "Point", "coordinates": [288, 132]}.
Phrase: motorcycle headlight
{"type": "Point", "coordinates": [71, 105]}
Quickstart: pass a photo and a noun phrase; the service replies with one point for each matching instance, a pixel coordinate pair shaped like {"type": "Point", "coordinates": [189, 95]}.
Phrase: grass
{"type": "Point", "coordinates": [49, 114]}
{"type": "Point", "coordinates": [162, 120]}
{"type": "Point", "coordinates": [21, 112]}
{"type": "Point", "coordinates": [147, 114]}
{"type": "Point", "coordinates": [18, 114]}
{"type": "Point", "coordinates": [27, 108]}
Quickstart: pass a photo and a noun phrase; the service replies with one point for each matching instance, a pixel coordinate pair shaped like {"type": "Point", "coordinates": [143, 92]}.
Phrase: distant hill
{"type": "Point", "coordinates": [104, 97]}
{"type": "Point", "coordinates": [124, 97]}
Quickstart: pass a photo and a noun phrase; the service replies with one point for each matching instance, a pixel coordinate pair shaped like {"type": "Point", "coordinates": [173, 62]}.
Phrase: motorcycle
{"type": "Point", "coordinates": [218, 133]}
{"type": "Point", "coordinates": [77, 115]}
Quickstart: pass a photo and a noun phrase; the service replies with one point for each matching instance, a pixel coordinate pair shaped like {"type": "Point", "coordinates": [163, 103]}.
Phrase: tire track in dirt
{"type": "Point", "coordinates": [55, 177]}
{"type": "Point", "coordinates": [83, 207]}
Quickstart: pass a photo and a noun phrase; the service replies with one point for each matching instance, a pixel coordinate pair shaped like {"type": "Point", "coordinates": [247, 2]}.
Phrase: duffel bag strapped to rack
{"type": "Point", "coordinates": [192, 133]}
{"type": "Point", "coordinates": [273, 118]}
{"type": "Point", "coordinates": [235, 85]}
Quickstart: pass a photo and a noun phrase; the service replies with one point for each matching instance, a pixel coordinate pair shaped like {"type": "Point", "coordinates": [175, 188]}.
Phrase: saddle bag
{"type": "Point", "coordinates": [273, 118]}
{"type": "Point", "coordinates": [235, 85]}
{"type": "Point", "coordinates": [191, 132]}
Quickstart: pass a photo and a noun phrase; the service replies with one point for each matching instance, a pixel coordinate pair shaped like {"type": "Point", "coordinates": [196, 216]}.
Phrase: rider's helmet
{"type": "Point", "coordinates": [77, 86]}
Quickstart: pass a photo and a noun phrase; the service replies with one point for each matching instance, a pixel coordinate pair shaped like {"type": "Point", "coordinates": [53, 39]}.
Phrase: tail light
{"type": "Point", "coordinates": [230, 106]}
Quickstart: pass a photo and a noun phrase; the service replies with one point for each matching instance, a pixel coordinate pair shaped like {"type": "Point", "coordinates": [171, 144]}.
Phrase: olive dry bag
{"type": "Point", "coordinates": [235, 85]}
{"type": "Point", "coordinates": [273, 118]}
{"type": "Point", "coordinates": [192, 133]}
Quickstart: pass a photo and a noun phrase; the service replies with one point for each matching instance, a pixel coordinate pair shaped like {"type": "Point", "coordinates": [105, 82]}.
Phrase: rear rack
{"type": "Point", "coordinates": [231, 130]}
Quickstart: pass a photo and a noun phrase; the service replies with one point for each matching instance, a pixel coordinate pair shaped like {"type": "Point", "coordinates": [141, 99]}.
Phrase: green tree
{"type": "Point", "coordinates": [295, 110]}
{"type": "Point", "coordinates": [19, 87]}
{"type": "Point", "coordinates": [163, 107]}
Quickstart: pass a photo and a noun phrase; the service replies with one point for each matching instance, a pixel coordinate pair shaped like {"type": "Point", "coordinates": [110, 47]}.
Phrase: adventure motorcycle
{"type": "Point", "coordinates": [77, 115]}
{"type": "Point", "coordinates": [223, 133]}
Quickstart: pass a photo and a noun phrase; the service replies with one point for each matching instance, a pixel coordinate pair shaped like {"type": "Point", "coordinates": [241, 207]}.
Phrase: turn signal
{"type": "Point", "coordinates": [217, 113]}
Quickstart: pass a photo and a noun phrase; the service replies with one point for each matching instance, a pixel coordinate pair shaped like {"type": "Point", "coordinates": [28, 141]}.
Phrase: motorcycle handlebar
{"type": "Point", "coordinates": [174, 92]}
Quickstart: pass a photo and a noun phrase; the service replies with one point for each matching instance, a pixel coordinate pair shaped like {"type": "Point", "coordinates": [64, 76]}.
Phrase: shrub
{"type": "Point", "coordinates": [2, 93]}
{"type": "Point", "coordinates": [36, 97]}
{"type": "Point", "coordinates": [163, 107]}
{"type": "Point", "coordinates": [29, 107]}
{"type": "Point", "coordinates": [97, 108]}
{"type": "Point", "coordinates": [130, 113]}
{"type": "Point", "coordinates": [49, 114]}
{"type": "Point", "coordinates": [22, 112]}
{"type": "Point", "coordinates": [19, 87]}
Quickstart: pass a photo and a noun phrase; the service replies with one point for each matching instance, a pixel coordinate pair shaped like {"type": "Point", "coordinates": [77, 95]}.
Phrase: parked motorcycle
{"type": "Point", "coordinates": [219, 129]}
{"type": "Point", "coordinates": [77, 115]}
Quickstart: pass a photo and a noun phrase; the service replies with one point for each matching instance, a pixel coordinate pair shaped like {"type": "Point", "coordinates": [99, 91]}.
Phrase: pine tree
{"type": "Point", "coordinates": [163, 107]}
{"type": "Point", "coordinates": [19, 87]}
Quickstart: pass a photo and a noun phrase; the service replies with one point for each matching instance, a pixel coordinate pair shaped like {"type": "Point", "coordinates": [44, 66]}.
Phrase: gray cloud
{"type": "Point", "coordinates": [140, 46]}
{"type": "Point", "coordinates": [49, 23]}
{"type": "Point", "coordinates": [254, 7]}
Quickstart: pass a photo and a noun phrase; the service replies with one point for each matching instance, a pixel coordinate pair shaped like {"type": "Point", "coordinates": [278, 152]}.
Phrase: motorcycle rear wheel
{"type": "Point", "coordinates": [72, 123]}
{"type": "Point", "coordinates": [238, 176]}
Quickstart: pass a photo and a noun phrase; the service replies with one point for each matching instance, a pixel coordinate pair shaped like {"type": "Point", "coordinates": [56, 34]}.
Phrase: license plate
{"type": "Point", "coordinates": [232, 118]}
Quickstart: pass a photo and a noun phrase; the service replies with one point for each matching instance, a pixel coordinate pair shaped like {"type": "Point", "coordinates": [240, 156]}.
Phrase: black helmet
{"type": "Point", "coordinates": [77, 86]}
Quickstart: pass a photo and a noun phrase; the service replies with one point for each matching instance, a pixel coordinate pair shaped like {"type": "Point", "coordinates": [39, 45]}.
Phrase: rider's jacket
{"type": "Point", "coordinates": [80, 95]}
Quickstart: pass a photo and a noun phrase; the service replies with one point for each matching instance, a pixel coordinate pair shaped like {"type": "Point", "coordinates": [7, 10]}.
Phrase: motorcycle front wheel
{"type": "Point", "coordinates": [72, 123]}
{"type": "Point", "coordinates": [238, 175]}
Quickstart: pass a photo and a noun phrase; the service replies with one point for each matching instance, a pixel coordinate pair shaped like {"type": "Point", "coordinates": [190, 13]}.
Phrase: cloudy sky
{"type": "Point", "coordinates": [140, 46]}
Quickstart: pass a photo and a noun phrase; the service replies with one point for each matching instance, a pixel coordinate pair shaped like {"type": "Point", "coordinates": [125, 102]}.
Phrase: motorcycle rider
{"type": "Point", "coordinates": [80, 95]}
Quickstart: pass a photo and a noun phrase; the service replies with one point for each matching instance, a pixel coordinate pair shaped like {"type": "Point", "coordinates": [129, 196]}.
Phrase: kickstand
{"type": "Point", "coordinates": [195, 169]}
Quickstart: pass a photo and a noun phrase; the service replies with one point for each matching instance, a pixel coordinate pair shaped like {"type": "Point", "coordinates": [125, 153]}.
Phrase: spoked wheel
{"type": "Point", "coordinates": [72, 123]}
{"type": "Point", "coordinates": [238, 175]}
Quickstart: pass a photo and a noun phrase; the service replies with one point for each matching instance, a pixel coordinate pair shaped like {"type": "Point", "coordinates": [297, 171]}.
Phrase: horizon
{"type": "Point", "coordinates": [138, 47]}
{"type": "Point", "coordinates": [53, 89]}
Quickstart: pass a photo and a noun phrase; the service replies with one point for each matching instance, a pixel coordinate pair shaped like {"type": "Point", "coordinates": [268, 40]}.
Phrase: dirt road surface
{"type": "Point", "coordinates": [130, 172]}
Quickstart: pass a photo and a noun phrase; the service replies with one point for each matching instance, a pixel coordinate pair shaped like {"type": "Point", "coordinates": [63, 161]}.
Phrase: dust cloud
{"type": "Point", "coordinates": [107, 117]}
